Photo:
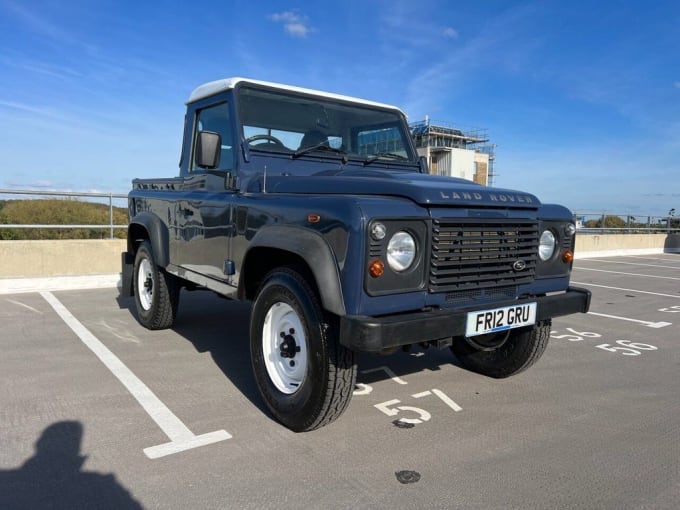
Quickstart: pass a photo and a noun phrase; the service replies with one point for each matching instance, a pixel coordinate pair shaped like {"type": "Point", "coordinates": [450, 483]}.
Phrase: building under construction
{"type": "Point", "coordinates": [455, 152]}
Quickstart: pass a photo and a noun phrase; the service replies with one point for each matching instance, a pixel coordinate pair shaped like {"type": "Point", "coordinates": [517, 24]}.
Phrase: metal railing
{"type": "Point", "coordinates": [587, 222]}
{"type": "Point", "coordinates": [107, 197]}
{"type": "Point", "coordinates": [615, 223]}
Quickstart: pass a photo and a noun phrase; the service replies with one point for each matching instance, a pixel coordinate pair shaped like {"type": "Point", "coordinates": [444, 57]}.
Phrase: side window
{"type": "Point", "coordinates": [216, 119]}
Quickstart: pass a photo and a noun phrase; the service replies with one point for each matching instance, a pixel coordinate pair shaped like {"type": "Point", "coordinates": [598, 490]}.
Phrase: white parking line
{"type": "Point", "coordinates": [627, 290]}
{"type": "Point", "coordinates": [181, 438]}
{"type": "Point", "coordinates": [627, 274]}
{"type": "Point", "coordinates": [388, 371]}
{"type": "Point", "coordinates": [672, 258]}
{"type": "Point", "coordinates": [649, 324]}
{"type": "Point", "coordinates": [630, 263]}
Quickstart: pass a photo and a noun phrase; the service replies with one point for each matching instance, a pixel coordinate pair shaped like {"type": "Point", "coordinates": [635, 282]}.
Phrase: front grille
{"type": "Point", "coordinates": [471, 295]}
{"type": "Point", "coordinates": [478, 253]}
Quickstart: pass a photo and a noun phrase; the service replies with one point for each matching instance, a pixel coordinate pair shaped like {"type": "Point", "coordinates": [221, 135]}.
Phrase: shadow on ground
{"type": "Point", "coordinates": [54, 477]}
{"type": "Point", "coordinates": [221, 327]}
{"type": "Point", "coordinates": [218, 326]}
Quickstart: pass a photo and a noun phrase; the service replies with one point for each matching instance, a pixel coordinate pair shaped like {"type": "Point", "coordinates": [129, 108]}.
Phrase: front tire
{"type": "Point", "coordinates": [156, 292]}
{"type": "Point", "coordinates": [304, 374]}
{"type": "Point", "coordinates": [521, 349]}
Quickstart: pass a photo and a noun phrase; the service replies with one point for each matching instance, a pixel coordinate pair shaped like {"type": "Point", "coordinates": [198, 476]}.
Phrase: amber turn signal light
{"type": "Point", "coordinates": [376, 268]}
{"type": "Point", "coordinates": [568, 257]}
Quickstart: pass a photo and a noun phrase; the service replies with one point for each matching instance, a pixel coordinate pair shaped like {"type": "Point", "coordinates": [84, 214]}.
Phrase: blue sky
{"type": "Point", "coordinates": [581, 98]}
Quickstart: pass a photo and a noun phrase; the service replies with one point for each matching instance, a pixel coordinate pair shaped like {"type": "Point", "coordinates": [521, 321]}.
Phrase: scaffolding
{"type": "Point", "coordinates": [434, 138]}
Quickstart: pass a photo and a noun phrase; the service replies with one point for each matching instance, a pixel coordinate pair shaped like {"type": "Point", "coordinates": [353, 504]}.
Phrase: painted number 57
{"type": "Point", "coordinates": [391, 409]}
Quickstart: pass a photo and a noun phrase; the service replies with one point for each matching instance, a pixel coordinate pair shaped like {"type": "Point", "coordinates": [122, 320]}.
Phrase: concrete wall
{"type": "Point", "coordinates": [462, 163]}
{"type": "Point", "coordinates": [455, 162]}
{"type": "Point", "coordinates": [31, 259]}
{"type": "Point", "coordinates": [27, 265]}
{"type": "Point", "coordinates": [591, 245]}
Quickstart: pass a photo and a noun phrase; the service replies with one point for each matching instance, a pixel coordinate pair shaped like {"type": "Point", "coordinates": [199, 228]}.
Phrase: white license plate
{"type": "Point", "coordinates": [500, 319]}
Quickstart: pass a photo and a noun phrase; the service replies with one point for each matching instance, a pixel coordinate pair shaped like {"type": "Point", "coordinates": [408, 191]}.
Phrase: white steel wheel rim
{"type": "Point", "coordinates": [286, 373]}
{"type": "Point", "coordinates": [145, 284]}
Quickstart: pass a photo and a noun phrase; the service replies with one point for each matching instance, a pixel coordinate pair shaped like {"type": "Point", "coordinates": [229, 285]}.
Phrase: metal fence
{"type": "Point", "coordinates": [586, 222]}
{"type": "Point", "coordinates": [615, 223]}
{"type": "Point", "coordinates": [108, 198]}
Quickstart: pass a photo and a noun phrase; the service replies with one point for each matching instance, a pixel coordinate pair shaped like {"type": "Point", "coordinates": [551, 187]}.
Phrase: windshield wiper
{"type": "Point", "coordinates": [379, 155]}
{"type": "Point", "coordinates": [323, 146]}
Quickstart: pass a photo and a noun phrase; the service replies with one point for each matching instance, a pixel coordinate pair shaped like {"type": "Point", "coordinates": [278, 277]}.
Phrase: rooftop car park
{"type": "Point", "coordinates": [173, 418]}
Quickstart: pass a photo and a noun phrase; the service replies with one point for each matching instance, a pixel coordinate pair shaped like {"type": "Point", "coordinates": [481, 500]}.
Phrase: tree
{"type": "Point", "coordinates": [59, 212]}
{"type": "Point", "coordinates": [609, 222]}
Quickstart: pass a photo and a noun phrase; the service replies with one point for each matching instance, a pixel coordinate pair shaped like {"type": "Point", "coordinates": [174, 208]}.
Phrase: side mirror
{"type": "Point", "coordinates": [208, 149]}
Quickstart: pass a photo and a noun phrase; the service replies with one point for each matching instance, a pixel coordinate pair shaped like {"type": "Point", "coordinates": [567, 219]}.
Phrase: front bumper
{"type": "Point", "coordinates": [375, 334]}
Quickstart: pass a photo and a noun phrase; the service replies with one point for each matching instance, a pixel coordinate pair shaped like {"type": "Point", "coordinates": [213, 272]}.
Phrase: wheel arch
{"type": "Point", "coordinates": [278, 246]}
{"type": "Point", "coordinates": [146, 225]}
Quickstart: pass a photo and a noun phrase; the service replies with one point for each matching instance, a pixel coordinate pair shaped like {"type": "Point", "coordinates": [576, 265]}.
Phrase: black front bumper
{"type": "Point", "coordinates": [375, 334]}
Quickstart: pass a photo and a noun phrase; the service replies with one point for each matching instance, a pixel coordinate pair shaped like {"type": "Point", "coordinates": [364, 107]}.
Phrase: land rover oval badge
{"type": "Point", "coordinates": [519, 265]}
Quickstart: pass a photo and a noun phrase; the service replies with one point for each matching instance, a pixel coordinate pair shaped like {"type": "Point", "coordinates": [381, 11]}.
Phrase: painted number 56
{"type": "Point", "coordinates": [627, 348]}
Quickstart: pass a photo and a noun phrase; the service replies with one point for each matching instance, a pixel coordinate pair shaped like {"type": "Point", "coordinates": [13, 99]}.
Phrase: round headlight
{"type": "Point", "coordinates": [401, 251]}
{"type": "Point", "coordinates": [546, 246]}
{"type": "Point", "coordinates": [378, 231]}
{"type": "Point", "coordinates": [570, 229]}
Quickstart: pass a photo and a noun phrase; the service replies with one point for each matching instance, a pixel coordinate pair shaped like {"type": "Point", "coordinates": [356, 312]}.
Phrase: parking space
{"type": "Point", "coordinates": [99, 410]}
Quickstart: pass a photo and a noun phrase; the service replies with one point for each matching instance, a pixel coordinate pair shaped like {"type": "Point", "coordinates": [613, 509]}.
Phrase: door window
{"type": "Point", "coordinates": [216, 119]}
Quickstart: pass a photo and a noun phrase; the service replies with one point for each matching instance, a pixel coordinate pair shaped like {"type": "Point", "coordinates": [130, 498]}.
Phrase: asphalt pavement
{"type": "Point", "coordinates": [98, 412]}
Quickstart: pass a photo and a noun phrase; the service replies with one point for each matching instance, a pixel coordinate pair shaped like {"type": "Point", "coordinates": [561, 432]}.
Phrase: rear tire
{"type": "Point", "coordinates": [156, 292]}
{"type": "Point", "coordinates": [306, 377]}
{"type": "Point", "coordinates": [519, 351]}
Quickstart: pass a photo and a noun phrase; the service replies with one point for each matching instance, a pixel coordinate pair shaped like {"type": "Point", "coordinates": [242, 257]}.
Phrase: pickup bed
{"type": "Point", "coordinates": [317, 208]}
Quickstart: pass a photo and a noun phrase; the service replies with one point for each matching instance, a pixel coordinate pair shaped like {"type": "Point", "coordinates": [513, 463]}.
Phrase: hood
{"type": "Point", "coordinates": [424, 189]}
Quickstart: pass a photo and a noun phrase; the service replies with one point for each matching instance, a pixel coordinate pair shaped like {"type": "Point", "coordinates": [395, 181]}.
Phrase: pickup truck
{"type": "Point", "coordinates": [316, 208]}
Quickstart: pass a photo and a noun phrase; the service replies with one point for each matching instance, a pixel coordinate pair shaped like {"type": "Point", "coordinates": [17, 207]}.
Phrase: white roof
{"type": "Point", "coordinates": [214, 87]}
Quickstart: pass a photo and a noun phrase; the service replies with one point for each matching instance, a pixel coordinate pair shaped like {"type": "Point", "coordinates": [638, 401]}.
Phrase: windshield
{"type": "Point", "coordinates": [297, 124]}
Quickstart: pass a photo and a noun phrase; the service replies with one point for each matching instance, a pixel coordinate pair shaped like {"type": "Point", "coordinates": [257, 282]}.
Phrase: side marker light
{"type": "Point", "coordinates": [376, 268]}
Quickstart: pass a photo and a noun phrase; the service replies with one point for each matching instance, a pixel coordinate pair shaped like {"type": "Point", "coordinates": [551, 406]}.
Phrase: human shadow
{"type": "Point", "coordinates": [54, 478]}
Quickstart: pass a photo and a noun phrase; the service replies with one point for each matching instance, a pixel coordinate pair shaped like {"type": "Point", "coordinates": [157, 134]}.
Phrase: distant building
{"type": "Point", "coordinates": [455, 153]}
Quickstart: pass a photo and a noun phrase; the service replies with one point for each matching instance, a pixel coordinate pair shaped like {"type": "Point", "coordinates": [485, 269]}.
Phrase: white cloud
{"type": "Point", "coordinates": [32, 185]}
{"type": "Point", "coordinates": [294, 23]}
{"type": "Point", "coordinates": [498, 43]}
{"type": "Point", "coordinates": [36, 21]}
{"type": "Point", "coordinates": [34, 110]}
{"type": "Point", "coordinates": [297, 29]}
{"type": "Point", "coordinates": [450, 33]}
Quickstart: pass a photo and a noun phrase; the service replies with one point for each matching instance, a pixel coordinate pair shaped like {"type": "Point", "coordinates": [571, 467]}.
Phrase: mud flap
{"type": "Point", "coordinates": [127, 266]}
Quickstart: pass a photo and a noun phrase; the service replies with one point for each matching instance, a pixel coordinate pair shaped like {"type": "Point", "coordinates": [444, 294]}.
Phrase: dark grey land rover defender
{"type": "Point", "coordinates": [316, 207]}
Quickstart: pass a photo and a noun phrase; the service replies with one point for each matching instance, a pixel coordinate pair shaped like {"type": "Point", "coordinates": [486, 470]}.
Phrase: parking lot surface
{"type": "Point", "coordinates": [98, 412]}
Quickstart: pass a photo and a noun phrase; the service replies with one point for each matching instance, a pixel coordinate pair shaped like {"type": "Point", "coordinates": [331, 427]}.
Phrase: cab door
{"type": "Point", "coordinates": [204, 214]}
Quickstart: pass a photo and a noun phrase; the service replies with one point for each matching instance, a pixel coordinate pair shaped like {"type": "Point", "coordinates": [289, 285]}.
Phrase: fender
{"type": "Point", "coordinates": [158, 236]}
{"type": "Point", "coordinates": [314, 250]}
{"type": "Point", "coordinates": [554, 212]}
